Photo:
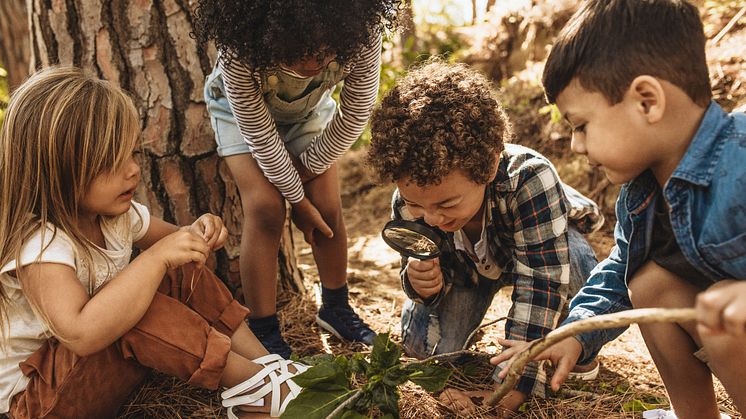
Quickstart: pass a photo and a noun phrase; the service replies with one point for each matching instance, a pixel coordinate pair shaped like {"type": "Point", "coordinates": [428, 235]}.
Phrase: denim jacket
{"type": "Point", "coordinates": [707, 197]}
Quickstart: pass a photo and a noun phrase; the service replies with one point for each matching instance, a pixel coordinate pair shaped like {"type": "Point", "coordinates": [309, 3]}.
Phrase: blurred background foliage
{"type": "Point", "coordinates": [508, 41]}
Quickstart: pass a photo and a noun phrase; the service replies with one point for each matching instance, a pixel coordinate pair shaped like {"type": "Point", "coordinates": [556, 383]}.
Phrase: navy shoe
{"type": "Point", "coordinates": [273, 341]}
{"type": "Point", "coordinates": [344, 323]}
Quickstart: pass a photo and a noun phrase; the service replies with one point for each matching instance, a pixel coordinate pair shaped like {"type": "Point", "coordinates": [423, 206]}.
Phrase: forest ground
{"type": "Point", "coordinates": [628, 382]}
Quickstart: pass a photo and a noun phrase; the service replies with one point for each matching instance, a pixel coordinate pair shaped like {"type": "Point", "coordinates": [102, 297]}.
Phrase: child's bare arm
{"type": "Point", "coordinates": [87, 324]}
{"type": "Point", "coordinates": [157, 230]}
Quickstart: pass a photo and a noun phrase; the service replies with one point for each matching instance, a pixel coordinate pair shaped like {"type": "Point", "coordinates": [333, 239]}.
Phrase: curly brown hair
{"type": "Point", "coordinates": [266, 33]}
{"type": "Point", "coordinates": [438, 118]}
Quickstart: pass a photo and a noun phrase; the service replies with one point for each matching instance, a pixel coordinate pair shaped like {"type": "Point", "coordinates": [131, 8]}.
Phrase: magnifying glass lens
{"type": "Point", "coordinates": [412, 239]}
{"type": "Point", "coordinates": [414, 242]}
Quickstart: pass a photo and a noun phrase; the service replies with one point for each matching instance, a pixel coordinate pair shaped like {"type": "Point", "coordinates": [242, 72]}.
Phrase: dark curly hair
{"type": "Point", "coordinates": [266, 33]}
{"type": "Point", "coordinates": [438, 118]}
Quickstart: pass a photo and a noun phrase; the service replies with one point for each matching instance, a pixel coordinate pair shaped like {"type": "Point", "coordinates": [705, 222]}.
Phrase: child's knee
{"type": "Point", "coordinates": [266, 214]}
{"type": "Point", "coordinates": [644, 290]}
{"type": "Point", "coordinates": [654, 286]}
{"type": "Point", "coordinates": [332, 214]}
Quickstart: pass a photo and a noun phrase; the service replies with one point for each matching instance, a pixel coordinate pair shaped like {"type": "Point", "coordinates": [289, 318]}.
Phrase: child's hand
{"type": "Point", "coordinates": [211, 229]}
{"type": "Point", "coordinates": [308, 219]}
{"type": "Point", "coordinates": [179, 248]}
{"type": "Point", "coordinates": [563, 355]}
{"type": "Point", "coordinates": [305, 174]}
{"type": "Point", "coordinates": [466, 403]}
{"type": "Point", "coordinates": [460, 402]}
{"type": "Point", "coordinates": [425, 276]}
{"type": "Point", "coordinates": [722, 309]}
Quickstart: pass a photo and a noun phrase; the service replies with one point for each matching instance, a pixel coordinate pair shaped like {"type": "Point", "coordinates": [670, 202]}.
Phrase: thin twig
{"type": "Point", "coordinates": [451, 355]}
{"type": "Point", "coordinates": [198, 273]}
{"type": "Point", "coordinates": [605, 321]}
{"type": "Point", "coordinates": [475, 331]}
{"type": "Point", "coordinates": [342, 406]}
{"type": "Point", "coordinates": [729, 26]}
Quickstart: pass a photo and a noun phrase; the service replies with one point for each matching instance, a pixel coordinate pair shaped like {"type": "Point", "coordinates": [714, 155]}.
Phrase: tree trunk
{"type": "Point", "coordinates": [145, 47]}
{"type": "Point", "coordinates": [14, 41]}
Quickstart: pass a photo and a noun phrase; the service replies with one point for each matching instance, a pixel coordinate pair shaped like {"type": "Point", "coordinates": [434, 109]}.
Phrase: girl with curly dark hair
{"type": "Point", "coordinates": [280, 132]}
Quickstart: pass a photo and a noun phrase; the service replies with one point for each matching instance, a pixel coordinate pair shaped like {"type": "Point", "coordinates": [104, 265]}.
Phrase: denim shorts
{"type": "Point", "coordinates": [297, 136]}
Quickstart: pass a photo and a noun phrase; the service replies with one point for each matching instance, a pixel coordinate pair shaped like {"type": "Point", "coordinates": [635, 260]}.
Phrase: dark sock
{"type": "Point", "coordinates": [261, 326]}
{"type": "Point", "coordinates": [335, 297]}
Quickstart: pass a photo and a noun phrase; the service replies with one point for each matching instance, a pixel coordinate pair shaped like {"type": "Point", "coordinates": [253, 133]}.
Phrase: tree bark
{"type": "Point", "coordinates": [145, 47]}
{"type": "Point", "coordinates": [14, 41]}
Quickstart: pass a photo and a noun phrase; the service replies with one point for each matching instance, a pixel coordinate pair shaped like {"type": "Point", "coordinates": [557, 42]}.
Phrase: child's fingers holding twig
{"type": "Point", "coordinates": [179, 248]}
{"type": "Point", "coordinates": [210, 228]}
{"type": "Point", "coordinates": [510, 348]}
{"type": "Point", "coordinates": [222, 237]}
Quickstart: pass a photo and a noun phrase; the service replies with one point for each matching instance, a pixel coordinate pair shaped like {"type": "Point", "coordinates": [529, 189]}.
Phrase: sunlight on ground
{"type": "Point", "coordinates": [375, 250]}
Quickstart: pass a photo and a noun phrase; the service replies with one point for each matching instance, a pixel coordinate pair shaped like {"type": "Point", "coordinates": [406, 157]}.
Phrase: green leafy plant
{"type": "Point", "coordinates": [329, 385]}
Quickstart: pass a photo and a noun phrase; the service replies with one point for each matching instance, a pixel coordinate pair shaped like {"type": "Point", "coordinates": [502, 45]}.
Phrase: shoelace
{"type": "Point", "coordinates": [350, 318]}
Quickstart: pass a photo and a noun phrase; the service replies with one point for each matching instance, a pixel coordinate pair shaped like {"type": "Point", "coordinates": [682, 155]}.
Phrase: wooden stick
{"type": "Point", "coordinates": [605, 321]}
{"type": "Point", "coordinates": [729, 26]}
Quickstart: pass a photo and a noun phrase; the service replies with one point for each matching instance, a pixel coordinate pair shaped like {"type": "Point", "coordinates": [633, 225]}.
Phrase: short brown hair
{"type": "Point", "coordinates": [607, 43]}
{"type": "Point", "coordinates": [438, 118]}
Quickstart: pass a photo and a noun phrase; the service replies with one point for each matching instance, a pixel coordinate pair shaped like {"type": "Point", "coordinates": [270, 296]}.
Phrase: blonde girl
{"type": "Point", "coordinates": [81, 323]}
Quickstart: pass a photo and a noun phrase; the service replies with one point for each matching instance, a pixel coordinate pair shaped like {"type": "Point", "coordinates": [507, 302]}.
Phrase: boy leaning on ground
{"type": "Point", "coordinates": [631, 79]}
{"type": "Point", "coordinates": [509, 220]}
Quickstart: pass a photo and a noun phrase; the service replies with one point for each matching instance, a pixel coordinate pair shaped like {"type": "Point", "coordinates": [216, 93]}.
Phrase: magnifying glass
{"type": "Point", "coordinates": [414, 239]}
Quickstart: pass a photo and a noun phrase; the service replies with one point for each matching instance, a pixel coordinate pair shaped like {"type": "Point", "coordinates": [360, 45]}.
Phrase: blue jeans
{"type": "Point", "coordinates": [427, 331]}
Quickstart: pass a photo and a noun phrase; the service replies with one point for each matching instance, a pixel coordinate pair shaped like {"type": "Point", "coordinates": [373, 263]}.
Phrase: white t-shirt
{"type": "Point", "coordinates": [479, 252]}
{"type": "Point", "coordinates": [27, 333]}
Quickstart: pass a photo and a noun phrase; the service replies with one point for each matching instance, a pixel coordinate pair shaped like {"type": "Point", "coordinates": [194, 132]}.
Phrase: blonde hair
{"type": "Point", "coordinates": [62, 129]}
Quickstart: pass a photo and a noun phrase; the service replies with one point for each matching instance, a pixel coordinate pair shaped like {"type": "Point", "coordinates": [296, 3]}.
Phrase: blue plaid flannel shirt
{"type": "Point", "coordinates": [527, 234]}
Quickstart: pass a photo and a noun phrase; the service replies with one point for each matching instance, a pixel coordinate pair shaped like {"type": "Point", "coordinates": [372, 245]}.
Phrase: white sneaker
{"type": "Point", "coordinates": [585, 372]}
{"type": "Point", "coordinates": [669, 414]}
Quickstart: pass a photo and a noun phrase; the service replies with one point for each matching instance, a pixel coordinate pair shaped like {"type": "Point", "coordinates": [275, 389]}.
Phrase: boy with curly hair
{"type": "Point", "coordinates": [280, 133]}
{"type": "Point", "coordinates": [631, 79]}
{"type": "Point", "coordinates": [441, 136]}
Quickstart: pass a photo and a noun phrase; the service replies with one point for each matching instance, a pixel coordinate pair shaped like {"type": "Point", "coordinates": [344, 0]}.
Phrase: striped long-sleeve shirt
{"type": "Point", "coordinates": [358, 95]}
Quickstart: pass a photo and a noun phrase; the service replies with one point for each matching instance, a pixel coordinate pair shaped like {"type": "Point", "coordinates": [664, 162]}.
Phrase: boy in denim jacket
{"type": "Point", "coordinates": [631, 79]}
